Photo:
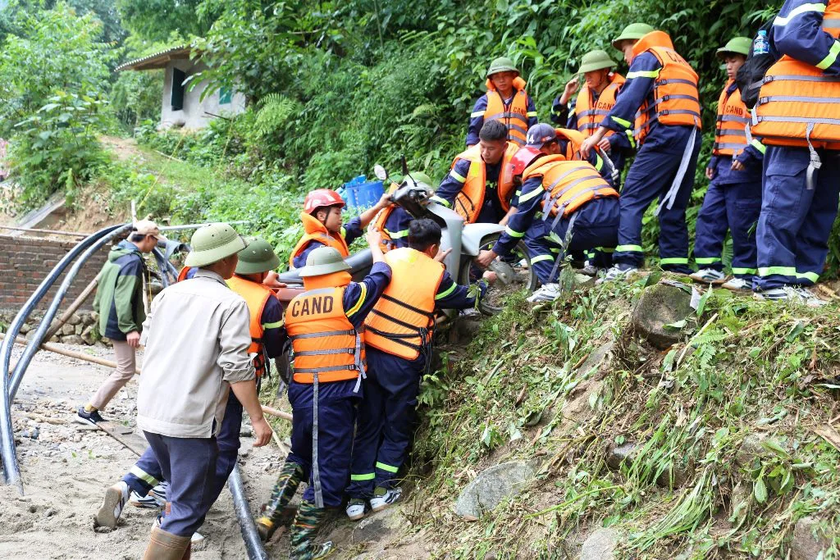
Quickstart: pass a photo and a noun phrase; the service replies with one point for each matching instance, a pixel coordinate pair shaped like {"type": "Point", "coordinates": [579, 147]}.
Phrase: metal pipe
{"type": "Point", "coordinates": [48, 231]}
{"type": "Point", "coordinates": [253, 544]}
{"type": "Point", "coordinates": [196, 226]}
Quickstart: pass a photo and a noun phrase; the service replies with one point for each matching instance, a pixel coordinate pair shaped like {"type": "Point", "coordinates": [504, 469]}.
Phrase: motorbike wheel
{"type": "Point", "coordinates": [524, 277]}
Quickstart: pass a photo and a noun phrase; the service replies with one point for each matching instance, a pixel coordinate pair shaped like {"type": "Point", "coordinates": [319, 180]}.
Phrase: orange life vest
{"type": "Point", "coordinates": [798, 102]}
{"type": "Point", "coordinates": [590, 115]}
{"type": "Point", "coordinates": [184, 273]}
{"type": "Point", "coordinates": [470, 200]}
{"type": "Point", "coordinates": [316, 231]}
{"type": "Point", "coordinates": [676, 101]}
{"type": "Point", "coordinates": [568, 184]}
{"type": "Point", "coordinates": [402, 320]}
{"type": "Point", "coordinates": [574, 140]}
{"type": "Point", "coordinates": [515, 115]}
{"type": "Point", "coordinates": [732, 120]}
{"type": "Point", "coordinates": [379, 223]}
{"type": "Point", "coordinates": [324, 340]}
{"type": "Point", "coordinates": [256, 296]}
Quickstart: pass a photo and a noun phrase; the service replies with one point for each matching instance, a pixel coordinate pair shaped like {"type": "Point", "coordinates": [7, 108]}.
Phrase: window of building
{"type": "Point", "coordinates": [225, 95]}
{"type": "Point", "coordinates": [178, 89]}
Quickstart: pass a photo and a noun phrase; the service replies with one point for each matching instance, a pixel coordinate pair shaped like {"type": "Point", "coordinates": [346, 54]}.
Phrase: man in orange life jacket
{"type": "Point", "coordinates": [326, 326]}
{"type": "Point", "coordinates": [145, 479]}
{"type": "Point", "coordinates": [594, 101]}
{"type": "Point", "coordinates": [398, 337]}
{"type": "Point", "coordinates": [478, 187]}
{"type": "Point", "coordinates": [575, 202]}
{"type": "Point", "coordinates": [506, 101]}
{"type": "Point", "coordinates": [797, 117]}
{"type": "Point", "coordinates": [322, 225]}
{"type": "Point", "coordinates": [661, 95]}
{"type": "Point", "coordinates": [733, 200]}
{"type": "Point", "coordinates": [393, 221]}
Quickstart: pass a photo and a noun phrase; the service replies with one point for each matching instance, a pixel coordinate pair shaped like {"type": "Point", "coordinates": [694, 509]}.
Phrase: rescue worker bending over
{"type": "Point", "coordinates": [398, 339]}
{"type": "Point", "coordinates": [506, 101]}
{"type": "Point", "coordinates": [322, 225]}
{"type": "Point", "coordinates": [661, 94]}
{"type": "Point", "coordinates": [145, 479]}
{"type": "Point", "coordinates": [392, 221]}
{"type": "Point", "coordinates": [596, 98]}
{"type": "Point", "coordinates": [478, 187]}
{"type": "Point", "coordinates": [733, 200]}
{"type": "Point", "coordinates": [797, 117]}
{"type": "Point", "coordinates": [325, 324]}
{"type": "Point", "coordinates": [574, 200]}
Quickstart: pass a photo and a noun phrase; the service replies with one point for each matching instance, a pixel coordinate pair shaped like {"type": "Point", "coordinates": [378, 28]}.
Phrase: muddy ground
{"type": "Point", "coordinates": [67, 466]}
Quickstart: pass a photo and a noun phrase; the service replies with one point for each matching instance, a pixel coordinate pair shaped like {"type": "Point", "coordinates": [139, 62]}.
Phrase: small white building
{"type": "Point", "coordinates": [181, 105]}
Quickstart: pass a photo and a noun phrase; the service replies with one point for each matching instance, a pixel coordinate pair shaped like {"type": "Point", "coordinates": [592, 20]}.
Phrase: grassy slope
{"type": "Point", "coordinates": [753, 370]}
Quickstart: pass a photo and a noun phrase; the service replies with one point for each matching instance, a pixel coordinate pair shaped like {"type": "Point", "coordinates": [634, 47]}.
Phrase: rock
{"type": "Point", "coordinates": [79, 329]}
{"type": "Point", "coordinates": [492, 486]}
{"type": "Point", "coordinates": [595, 359]}
{"type": "Point", "coordinates": [600, 545]}
{"type": "Point", "coordinates": [621, 453]}
{"type": "Point", "coordinates": [25, 328]}
{"type": "Point", "coordinates": [73, 339]}
{"type": "Point", "coordinates": [675, 476]}
{"type": "Point", "coordinates": [809, 540]}
{"type": "Point", "coordinates": [68, 329]}
{"type": "Point", "coordinates": [750, 450]}
{"type": "Point", "coordinates": [88, 336]}
{"type": "Point", "coordinates": [660, 305]}
{"type": "Point", "coordinates": [94, 316]}
{"type": "Point", "coordinates": [583, 280]}
{"type": "Point", "coordinates": [74, 320]}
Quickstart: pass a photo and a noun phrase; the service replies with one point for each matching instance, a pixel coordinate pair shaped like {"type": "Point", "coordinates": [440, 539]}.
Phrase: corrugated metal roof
{"type": "Point", "coordinates": [157, 60]}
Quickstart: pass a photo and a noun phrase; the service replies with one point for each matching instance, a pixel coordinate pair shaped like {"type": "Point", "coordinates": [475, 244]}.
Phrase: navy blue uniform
{"type": "Point", "coordinates": [477, 117]}
{"type": "Point", "coordinates": [491, 212]}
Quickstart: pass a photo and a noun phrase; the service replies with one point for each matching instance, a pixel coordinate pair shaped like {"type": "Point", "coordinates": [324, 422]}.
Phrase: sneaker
{"type": "Point", "coordinates": [589, 269]}
{"type": "Point", "coordinates": [91, 417]}
{"type": "Point", "coordinates": [808, 297]}
{"type": "Point", "coordinates": [112, 507]}
{"type": "Point", "coordinates": [738, 285]}
{"type": "Point", "coordinates": [196, 538]}
{"type": "Point", "coordinates": [708, 276]}
{"type": "Point", "coordinates": [155, 499]}
{"type": "Point", "coordinates": [791, 293]}
{"type": "Point", "coordinates": [356, 509]}
{"type": "Point", "coordinates": [547, 292]}
{"type": "Point", "coordinates": [384, 497]}
{"type": "Point", "coordinates": [618, 272]}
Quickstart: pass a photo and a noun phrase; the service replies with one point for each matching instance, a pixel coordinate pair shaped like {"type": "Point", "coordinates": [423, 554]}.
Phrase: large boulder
{"type": "Point", "coordinates": [600, 545]}
{"type": "Point", "coordinates": [809, 540]}
{"type": "Point", "coordinates": [659, 306]}
{"type": "Point", "coordinates": [493, 486]}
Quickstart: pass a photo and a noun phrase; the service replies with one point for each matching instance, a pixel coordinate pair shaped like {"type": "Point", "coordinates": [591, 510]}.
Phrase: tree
{"type": "Point", "coordinates": [157, 20]}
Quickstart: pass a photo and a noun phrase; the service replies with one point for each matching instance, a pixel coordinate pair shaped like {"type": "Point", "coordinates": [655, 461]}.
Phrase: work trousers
{"type": "Point", "coordinates": [795, 221]}
{"type": "Point", "coordinates": [386, 421]}
{"type": "Point", "coordinates": [650, 178]}
{"type": "Point", "coordinates": [595, 226]}
{"type": "Point", "coordinates": [126, 365]}
{"type": "Point", "coordinates": [733, 207]}
{"type": "Point", "coordinates": [147, 472]}
{"type": "Point", "coordinates": [189, 464]}
{"type": "Point", "coordinates": [336, 420]}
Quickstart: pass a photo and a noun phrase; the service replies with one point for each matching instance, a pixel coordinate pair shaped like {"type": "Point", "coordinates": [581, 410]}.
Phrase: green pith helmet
{"type": "Point", "coordinates": [632, 32]}
{"type": "Point", "coordinates": [322, 261]}
{"type": "Point", "coordinates": [257, 257]}
{"type": "Point", "coordinates": [212, 243]}
{"type": "Point", "coordinates": [595, 60]}
{"type": "Point", "coordinates": [501, 64]}
{"type": "Point", "coordinates": [738, 45]}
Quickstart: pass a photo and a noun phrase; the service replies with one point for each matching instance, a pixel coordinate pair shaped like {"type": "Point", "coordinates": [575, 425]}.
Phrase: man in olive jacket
{"type": "Point", "coordinates": [119, 302]}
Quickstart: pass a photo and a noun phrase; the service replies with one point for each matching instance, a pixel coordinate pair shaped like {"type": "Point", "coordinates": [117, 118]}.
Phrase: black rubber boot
{"type": "Point", "coordinates": [301, 540]}
{"type": "Point", "coordinates": [284, 490]}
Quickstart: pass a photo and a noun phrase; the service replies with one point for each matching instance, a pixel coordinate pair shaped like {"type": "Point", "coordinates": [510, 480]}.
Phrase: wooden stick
{"type": "Point", "coordinates": [77, 303]}
{"type": "Point", "coordinates": [70, 354]}
{"type": "Point", "coordinates": [277, 413]}
{"type": "Point", "coordinates": [48, 231]}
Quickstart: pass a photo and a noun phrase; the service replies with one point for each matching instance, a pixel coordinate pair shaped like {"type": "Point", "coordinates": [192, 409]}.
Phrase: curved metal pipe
{"type": "Point", "coordinates": [253, 544]}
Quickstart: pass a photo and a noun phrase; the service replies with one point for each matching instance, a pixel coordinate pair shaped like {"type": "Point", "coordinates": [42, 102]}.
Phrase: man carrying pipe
{"type": "Point", "coordinates": [119, 302]}
{"type": "Point", "coordinates": [145, 478]}
{"type": "Point", "coordinates": [186, 381]}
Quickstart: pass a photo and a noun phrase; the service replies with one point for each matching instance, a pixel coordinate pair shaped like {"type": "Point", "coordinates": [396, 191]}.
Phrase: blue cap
{"type": "Point", "coordinates": [539, 134]}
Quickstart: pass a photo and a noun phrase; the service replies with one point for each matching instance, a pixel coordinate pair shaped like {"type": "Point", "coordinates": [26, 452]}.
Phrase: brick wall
{"type": "Point", "coordinates": [25, 261]}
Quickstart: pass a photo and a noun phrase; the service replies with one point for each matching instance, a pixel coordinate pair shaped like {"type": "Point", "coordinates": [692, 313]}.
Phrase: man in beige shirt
{"type": "Point", "coordinates": [197, 339]}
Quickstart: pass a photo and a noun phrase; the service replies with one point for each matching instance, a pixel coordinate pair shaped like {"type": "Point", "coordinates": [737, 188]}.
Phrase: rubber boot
{"type": "Point", "coordinates": [166, 546]}
{"type": "Point", "coordinates": [304, 529]}
{"type": "Point", "coordinates": [284, 490]}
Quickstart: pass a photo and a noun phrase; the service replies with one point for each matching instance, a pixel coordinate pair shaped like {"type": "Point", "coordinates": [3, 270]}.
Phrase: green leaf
{"type": "Point", "coordinates": [760, 491]}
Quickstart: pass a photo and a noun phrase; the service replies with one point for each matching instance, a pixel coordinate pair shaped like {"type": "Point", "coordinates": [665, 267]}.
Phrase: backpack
{"type": "Point", "coordinates": [750, 76]}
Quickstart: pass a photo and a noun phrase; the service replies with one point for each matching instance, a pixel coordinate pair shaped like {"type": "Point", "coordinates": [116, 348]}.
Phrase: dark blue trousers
{"type": "Point", "coordinates": [795, 222]}
{"type": "Point", "coordinates": [386, 421]}
{"type": "Point", "coordinates": [189, 464]}
{"type": "Point", "coordinates": [147, 472]}
{"type": "Point", "coordinates": [595, 226]}
{"type": "Point", "coordinates": [336, 420]}
{"type": "Point", "coordinates": [729, 206]}
{"type": "Point", "coordinates": [649, 178]}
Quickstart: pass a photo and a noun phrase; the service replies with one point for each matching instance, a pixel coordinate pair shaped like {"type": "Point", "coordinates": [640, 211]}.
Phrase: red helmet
{"type": "Point", "coordinates": [320, 198]}
{"type": "Point", "coordinates": [522, 158]}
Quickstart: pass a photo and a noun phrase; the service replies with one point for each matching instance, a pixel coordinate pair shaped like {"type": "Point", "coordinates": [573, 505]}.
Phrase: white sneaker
{"type": "Point", "coordinates": [708, 276]}
{"type": "Point", "coordinates": [547, 292]}
{"type": "Point", "coordinates": [618, 272]}
{"type": "Point", "coordinates": [383, 498]}
{"type": "Point", "coordinates": [155, 499]}
{"type": "Point", "coordinates": [356, 509]}
{"type": "Point", "coordinates": [737, 285]}
{"type": "Point", "coordinates": [112, 507]}
{"type": "Point", "coordinates": [795, 294]}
